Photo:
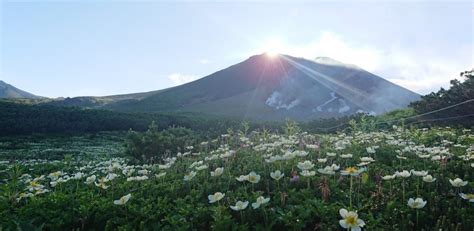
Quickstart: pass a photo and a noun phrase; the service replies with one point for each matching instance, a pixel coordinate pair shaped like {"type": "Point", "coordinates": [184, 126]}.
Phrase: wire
{"type": "Point", "coordinates": [446, 118]}
{"type": "Point", "coordinates": [431, 112]}
{"type": "Point", "coordinates": [410, 117]}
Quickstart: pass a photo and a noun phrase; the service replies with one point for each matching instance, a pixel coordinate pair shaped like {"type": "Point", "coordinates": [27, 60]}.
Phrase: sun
{"type": "Point", "coordinates": [271, 54]}
{"type": "Point", "coordinates": [273, 48]}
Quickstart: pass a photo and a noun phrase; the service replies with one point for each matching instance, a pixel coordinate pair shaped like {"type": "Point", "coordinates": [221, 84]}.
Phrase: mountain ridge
{"type": "Point", "coordinates": [11, 92]}
{"type": "Point", "coordinates": [268, 88]}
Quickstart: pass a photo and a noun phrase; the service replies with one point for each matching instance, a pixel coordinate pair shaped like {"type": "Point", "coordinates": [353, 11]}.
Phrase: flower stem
{"type": "Point", "coordinates": [403, 189]}
{"type": "Point", "coordinates": [350, 194]}
{"type": "Point", "coordinates": [417, 215]}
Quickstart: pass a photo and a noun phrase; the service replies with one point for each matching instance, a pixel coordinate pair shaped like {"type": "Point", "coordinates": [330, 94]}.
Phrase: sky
{"type": "Point", "coordinates": [66, 48]}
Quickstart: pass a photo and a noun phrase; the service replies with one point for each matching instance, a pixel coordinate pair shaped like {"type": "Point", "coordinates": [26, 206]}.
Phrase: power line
{"type": "Point", "coordinates": [410, 117]}
{"type": "Point", "coordinates": [446, 118]}
{"type": "Point", "coordinates": [437, 110]}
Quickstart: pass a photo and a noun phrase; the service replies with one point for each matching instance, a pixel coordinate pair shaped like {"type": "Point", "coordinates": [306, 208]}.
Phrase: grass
{"type": "Point", "coordinates": [162, 200]}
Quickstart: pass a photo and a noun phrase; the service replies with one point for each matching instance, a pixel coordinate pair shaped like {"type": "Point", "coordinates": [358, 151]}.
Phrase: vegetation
{"type": "Point", "coordinates": [195, 172]}
{"type": "Point", "coordinates": [457, 93]}
{"type": "Point", "coordinates": [27, 119]}
{"type": "Point", "coordinates": [153, 144]}
{"type": "Point", "coordinates": [398, 179]}
{"type": "Point", "coordinates": [57, 147]}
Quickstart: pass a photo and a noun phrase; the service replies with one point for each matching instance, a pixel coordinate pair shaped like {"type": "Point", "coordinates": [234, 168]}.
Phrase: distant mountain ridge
{"type": "Point", "coordinates": [10, 92]}
{"type": "Point", "coordinates": [269, 88]}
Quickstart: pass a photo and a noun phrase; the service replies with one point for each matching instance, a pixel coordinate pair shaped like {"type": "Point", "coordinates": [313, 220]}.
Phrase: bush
{"type": "Point", "coordinates": [154, 144]}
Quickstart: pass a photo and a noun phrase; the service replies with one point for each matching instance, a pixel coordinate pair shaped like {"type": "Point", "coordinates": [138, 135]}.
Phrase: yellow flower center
{"type": "Point", "coordinates": [351, 170]}
{"type": "Point", "coordinates": [469, 196]}
{"type": "Point", "coordinates": [351, 220]}
{"type": "Point", "coordinates": [252, 178]}
{"type": "Point", "coordinates": [34, 184]}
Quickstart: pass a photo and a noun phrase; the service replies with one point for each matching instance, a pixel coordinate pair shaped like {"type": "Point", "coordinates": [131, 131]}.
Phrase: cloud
{"type": "Point", "coordinates": [178, 78]}
{"type": "Point", "coordinates": [419, 70]}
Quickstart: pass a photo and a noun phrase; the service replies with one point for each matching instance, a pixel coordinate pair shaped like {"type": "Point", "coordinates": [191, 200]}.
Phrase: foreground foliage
{"type": "Point", "coordinates": [389, 180]}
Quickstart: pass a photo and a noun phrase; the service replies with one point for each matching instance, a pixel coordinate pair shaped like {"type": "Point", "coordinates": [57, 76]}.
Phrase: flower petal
{"type": "Point", "coordinates": [343, 212]}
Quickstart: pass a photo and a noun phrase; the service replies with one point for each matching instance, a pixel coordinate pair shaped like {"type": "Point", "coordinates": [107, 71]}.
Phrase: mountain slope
{"type": "Point", "coordinates": [10, 92]}
{"type": "Point", "coordinates": [281, 87]}
{"type": "Point", "coordinates": [97, 102]}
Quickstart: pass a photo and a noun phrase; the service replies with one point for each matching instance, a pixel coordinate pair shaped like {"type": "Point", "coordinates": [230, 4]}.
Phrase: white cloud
{"type": "Point", "coordinates": [178, 78]}
{"type": "Point", "coordinates": [418, 70]}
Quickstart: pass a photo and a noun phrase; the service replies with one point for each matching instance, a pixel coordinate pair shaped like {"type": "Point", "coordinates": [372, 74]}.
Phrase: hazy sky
{"type": "Point", "coordinates": [103, 47]}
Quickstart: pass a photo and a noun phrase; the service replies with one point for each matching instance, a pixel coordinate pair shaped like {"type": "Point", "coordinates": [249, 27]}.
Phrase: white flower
{"type": "Point", "coordinates": [334, 167]}
{"type": "Point", "coordinates": [418, 203]}
{"type": "Point", "coordinates": [242, 178]}
{"type": "Point", "coordinates": [353, 171]}
{"type": "Point", "coordinates": [300, 153]}
{"type": "Point", "coordinates": [164, 166]}
{"type": "Point", "coordinates": [240, 205]}
{"type": "Point", "coordinates": [367, 159]}
{"type": "Point", "coordinates": [457, 182]}
{"type": "Point", "coordinates": [253, 177]}
{"type": "Point", "coordinates": [53, 183]}
{"type": "Point", "coordinates": [91, 179]}
{"type": "Point", "coordinates": [260, 201]}
{"type": "Point", "coordinates": [403, 174]}
{"type": "Point", "coordinates": [277, 175]}
{"type": "Point", "coordinates": [350, 220]}
{"type": "Point", "coordinates": [101, 183]}
{"type": "Point", "coordinates": [307, 173]}
{"type": "Point", "coordinates": [34, 186]}
{"type": "Point", "coordinates": [189, 176]}
{"type": "Point", "coordinates": [78, 176]}
{"type": "Point", "coordinates": [160, 175]}
{"type": "Point", "coordinates": [55, 175]}
{"type": "Point", "coordinates": [428, 178]}
{"type": "Point", "coordinates": [469, 197]}
{"type": "Point", "coordinates": [370, 150]}
{"type": "Point", "coordinates": [327, 170]}
{"type": "Point", "coordinates": [306, 165]}
{"type": "Point", "coordinates": [202, 167]}
{"type": "Point", "coordinates": [217, 172]}
{"type": "Point", "coordinates": [389, 177]}
{"type": "Point", "coordinates": [435, 158]}
{"type": "Point", "coordinates": [424, 156]}
{"type": "Point", "coordinates": [419, 173]}
{"type": "Point", "coordinates": [322, 160]}
{"type": "Point", "coordinates": [111, 176]}
{"type": "Point", "coordinates": [346, 156]}
{"type": "Point", "coordinates": [196, 163]}
{"type": "Point", "coordinates": [123, 200]}
{"type": "Point", "coordinates": [311, 146]}
{"type": "Point", "coordinates": [401, 157]}
{"type": "Point", "coordinates": [143, 172]}
{"type": "Point", "coordinates": [24, 195]}
{"type": "Point", "coordinates": [215, 197]}
{"type": "Point", "coordinates": [331, 154]}
{"type": "Point", "coordinates": [137, 178]}
{"type": "Point", "coordinates": [41, 191]}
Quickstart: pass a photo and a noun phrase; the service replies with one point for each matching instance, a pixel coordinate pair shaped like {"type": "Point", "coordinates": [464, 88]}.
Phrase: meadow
{"type": "Point", "coordinates": [394, 179]}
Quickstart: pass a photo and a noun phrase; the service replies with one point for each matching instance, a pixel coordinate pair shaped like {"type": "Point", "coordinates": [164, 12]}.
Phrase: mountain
{"type": "Point", "coordinates": [11, 92]}
{"type": "Point", "coordinates": [267, 87]}
{"type": "Point", "coordinates": [98, 102]}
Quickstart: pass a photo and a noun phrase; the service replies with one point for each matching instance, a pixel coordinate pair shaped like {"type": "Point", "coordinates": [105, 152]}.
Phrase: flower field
{"type": "Point", "coordinates": [401, 179]}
